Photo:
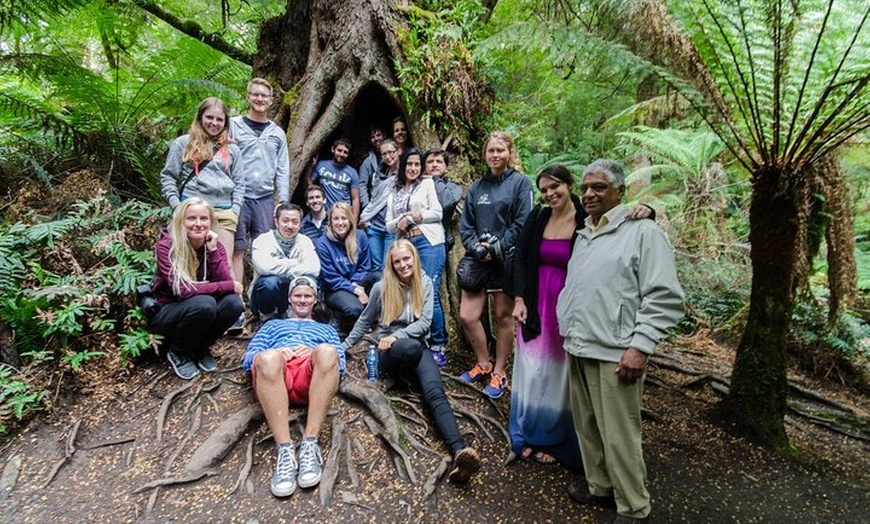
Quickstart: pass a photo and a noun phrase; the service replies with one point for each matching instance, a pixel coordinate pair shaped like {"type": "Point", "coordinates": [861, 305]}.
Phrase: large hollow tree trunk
{"type": "Point", "coordinates": [334, 62]}
{"type": "Point", "coordinates": [778, 235]}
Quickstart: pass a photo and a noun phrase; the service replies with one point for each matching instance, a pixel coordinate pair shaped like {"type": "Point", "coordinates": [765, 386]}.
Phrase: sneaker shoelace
{"type": "Point", "coordinates": [286, 466]}
{"type": "Point", "coordinates": [309, 456]}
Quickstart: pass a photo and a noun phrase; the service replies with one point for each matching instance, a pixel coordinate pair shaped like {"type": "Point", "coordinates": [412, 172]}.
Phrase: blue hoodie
{"type": "Point", "coordinates": [337, 272]}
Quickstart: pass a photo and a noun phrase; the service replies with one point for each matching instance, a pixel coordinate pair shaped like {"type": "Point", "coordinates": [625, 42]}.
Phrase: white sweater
{"type": "Point", "coordinates": [268, 258]}
{"type": "Point", "coordinates": [425, 200]}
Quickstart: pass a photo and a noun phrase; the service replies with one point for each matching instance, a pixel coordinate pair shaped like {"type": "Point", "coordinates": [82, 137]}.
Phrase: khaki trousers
{"type": "Point", "coordinates": [607, 420]}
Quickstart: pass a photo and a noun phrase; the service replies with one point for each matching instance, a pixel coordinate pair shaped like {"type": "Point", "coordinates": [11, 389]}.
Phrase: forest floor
{"type": "Point", "coordinates": [85, 461]}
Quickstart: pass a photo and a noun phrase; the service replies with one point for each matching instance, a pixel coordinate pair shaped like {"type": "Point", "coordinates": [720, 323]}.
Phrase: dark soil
{"type": "Point", "coordinates": [698, 471]}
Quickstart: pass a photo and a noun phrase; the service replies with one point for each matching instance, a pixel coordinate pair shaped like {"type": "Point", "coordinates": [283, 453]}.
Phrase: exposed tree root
{"type": "Point", "coordinates": [219, 443]}
{"type": "Point", "coordinates": [431, 484]}
{"type": "Point", "coordinates": [460, 412]}
{"type": "Point", "coordinates": [69, 449]}
{"type": "Point", "coordinates": [195, 424]}
{"type": "Point", "coordinates": [843, 421]}
{"type": "Point", "coordinates": [164, 408]}
{"type": "Point", "coordinates": [351, 467]}
{"type": "Point", "coordinates": [330, 469]}
{"type": "Point", "coordinates": [377, 404]}
{"type": "Point", "coordinates": [213, 402]}
{"type": "Point", "coordinates": [204, 387]}
{"type": "Point", "coordinates": [401, 459]}
{"type": "Point", "coordinates": [157, 378]}
{"type": "Point", "coordinates": [113, 442]}
{"type": "Point", "coordinates": [245, 472]}
{"type": "Point", "coordinates": [182, 478]}
{"type": "Point", "coordinates": [9, 477]}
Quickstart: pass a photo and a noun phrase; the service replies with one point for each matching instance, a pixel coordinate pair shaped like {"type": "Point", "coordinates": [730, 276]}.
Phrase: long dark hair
{"type": "Point", "coordinates": [559, 173]}
{"type": "Point", "coordinates": [403, 163]}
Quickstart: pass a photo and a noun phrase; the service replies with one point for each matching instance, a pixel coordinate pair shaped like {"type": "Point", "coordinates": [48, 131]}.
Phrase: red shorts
{"type": "Point", "coordinates": [297, 378]}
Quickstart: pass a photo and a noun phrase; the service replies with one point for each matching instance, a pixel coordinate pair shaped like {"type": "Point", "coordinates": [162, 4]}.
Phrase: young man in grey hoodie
{"type": "Point", "coordinates": [266, 168]}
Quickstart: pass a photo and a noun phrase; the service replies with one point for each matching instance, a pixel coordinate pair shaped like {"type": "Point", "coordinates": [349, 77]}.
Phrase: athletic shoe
{"type": "Point", "coordinates": [284, 479]}
{"type": "Point", "coordinates": [439, 355]}
{"type": "Point", "coordinates": [310, 464]}
{"type": "Point", "coordinates": [465, 464]}
{"type": "Point", "coordinates": [237, 327]}
{"type": "Point", "coordinates": [475, 374]}
{"type": "Point", "coordinates": [207, 363]}
{"type": "Point", "coordinates": [183, 367]}
{"type": "Point", "coordinates": [496, 386]}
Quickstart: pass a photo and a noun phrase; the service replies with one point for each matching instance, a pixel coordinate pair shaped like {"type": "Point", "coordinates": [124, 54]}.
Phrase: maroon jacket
{"type": "Point", "coordinates": [214, 279]}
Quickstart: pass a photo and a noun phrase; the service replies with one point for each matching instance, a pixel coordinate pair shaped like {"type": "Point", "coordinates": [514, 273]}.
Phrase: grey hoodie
{"type": "Point", "coordinates": [265, 160]}
{"type": "Point", "coordinates": [220, 182]}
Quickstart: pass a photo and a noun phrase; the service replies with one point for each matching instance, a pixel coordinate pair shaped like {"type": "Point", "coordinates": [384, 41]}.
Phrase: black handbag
{"type": "Point", "coordinates": [471, 274]}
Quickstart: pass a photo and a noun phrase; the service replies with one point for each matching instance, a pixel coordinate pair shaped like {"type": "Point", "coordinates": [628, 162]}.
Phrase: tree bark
{"type": "Point", "coordinates": [334, 63]}
{"type": "Point", "coordinates": [778, 235]}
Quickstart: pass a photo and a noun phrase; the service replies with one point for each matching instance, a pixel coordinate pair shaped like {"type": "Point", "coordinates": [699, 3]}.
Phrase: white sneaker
{"type": "Point", "coordinates": [284, 479]}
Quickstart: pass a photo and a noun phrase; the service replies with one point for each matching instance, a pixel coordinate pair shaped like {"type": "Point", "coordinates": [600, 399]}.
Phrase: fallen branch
{"type": "Point", "coordinates": [164, 408]}
{"type": "Point", "coordinates": [182, 478]}
{"type": "Point", "coordinates": [330, 469]}
{"type": "Point", "coordinates": [222, 440]}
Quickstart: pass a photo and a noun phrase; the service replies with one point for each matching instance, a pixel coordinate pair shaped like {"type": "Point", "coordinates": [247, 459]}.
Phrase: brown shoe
{"type": "Point", "coordinates": [465, 464]}
{"type": "Point", "coordinates": [625, 519]}
{"type": "Point", "coordinates": [584, 498]}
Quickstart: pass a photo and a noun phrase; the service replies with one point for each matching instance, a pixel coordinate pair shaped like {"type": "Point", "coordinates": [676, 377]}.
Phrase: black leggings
{"type": "Point", "coordinates": [191, 326]}
{"type": "Point", "coordinates": [408, 356]}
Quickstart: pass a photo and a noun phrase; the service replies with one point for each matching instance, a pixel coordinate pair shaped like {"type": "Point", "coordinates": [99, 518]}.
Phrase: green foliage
{"type": "Point", "coordinates": [69, 295]}
{"type": "Point", "coordinates": [18, 398]}
{"type": "Point", "coordinates": [554, 83]}
{"type": "Point", "coordinates": [90, 89]}
{"type": "Point", "coordinates": [717, 291]}
{"type": "Point", "coordinates": [438, 76]}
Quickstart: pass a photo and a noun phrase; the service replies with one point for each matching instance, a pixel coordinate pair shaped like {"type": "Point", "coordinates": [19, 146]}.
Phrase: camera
{"type": "Point", "coordinates": [146, 301]}
{"type": "Point", "coordinates": [479, 251]}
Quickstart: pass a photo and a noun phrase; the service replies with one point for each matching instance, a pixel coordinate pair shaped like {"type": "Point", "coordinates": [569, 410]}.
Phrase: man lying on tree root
{"type": "Point", "coordinates": [295, 361]}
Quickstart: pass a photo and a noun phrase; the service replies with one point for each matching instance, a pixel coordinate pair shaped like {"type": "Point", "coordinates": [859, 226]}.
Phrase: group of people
{"type": "Point", "coordinates": [590, 283]}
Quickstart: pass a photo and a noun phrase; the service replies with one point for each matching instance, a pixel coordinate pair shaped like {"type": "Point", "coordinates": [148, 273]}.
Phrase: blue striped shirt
{"type": "Point", "coordinates": [293, 332]}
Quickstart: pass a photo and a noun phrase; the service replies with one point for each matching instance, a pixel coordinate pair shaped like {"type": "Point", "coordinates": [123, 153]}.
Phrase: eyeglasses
{"type": "Point", "coordinates": [393, 152]}
{"type": "Point", "coordinates": [260, 95]}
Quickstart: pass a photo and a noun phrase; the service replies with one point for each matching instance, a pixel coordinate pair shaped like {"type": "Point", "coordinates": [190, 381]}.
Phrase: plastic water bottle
{"type": "Point", "coordinates": [372, 363]}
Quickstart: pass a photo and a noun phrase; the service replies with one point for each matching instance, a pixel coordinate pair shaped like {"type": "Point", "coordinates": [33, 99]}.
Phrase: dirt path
{"type": "Point", "coordinates": [697, 471]}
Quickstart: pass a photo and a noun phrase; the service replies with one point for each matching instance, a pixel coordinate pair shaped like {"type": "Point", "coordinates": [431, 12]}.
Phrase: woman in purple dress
{"type": "Point", "coordinates": [540, 417]}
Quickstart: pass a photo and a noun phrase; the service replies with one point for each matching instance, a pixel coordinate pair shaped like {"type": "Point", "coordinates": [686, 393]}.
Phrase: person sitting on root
{"type": "Point", "coordinates": [279, 256]}
{"type": "Point", "coordinates": [401, 305]}
{"type": "Point", "coordinates": [198, 296]}
{"type": "Point", "coordinates": [295, 361]}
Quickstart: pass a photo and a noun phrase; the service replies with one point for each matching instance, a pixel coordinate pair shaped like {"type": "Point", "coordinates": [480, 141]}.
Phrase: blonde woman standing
{"type": "Point", "coordinates": [204, 164]}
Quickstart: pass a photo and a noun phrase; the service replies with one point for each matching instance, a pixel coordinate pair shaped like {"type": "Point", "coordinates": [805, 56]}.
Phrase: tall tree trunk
{"type": "Point", "coordinates": [333, 62]}
{"type": "Point", "coordinates": [778, 234]}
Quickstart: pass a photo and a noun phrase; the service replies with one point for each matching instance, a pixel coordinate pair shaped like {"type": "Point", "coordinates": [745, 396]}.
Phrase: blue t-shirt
{"type": "Point", "coordinates": [291, 332]}
{"type": "Point", "coordinates": [336, 181]}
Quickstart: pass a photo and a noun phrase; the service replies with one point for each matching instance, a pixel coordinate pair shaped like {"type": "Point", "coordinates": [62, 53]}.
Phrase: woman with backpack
{"type": "Point", "coordinates": [203, 163]}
